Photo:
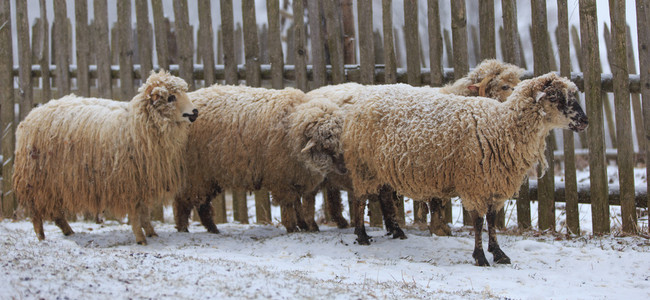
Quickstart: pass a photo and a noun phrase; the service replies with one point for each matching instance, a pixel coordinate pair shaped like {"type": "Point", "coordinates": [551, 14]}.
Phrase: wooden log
{"type": "Point", "coordinates": [82, 35]}
{"type": "Point", "coordinates": [636, 99]}
{"type": "Point", "coordinates": [62, 54]}
{"type": "Point", "coordinates": [512, 52]}
{"type": "Point", "coordinates": [625, 160]}
{"type": "Point", "coordinates": [523, 207]}
{"type": "Point", "coordinates": [412, 38]}
{"type": "Point", "coordinates": [300, 50]}
{"type": "Point", "coordinates": [145, 45]}
{"type": "Point", "coordinates": [390, 62]}
{"type": "Point", "coordinates": [228, 31]}
{"type": "Point", "coordinates": [435, 43]}
{"type": "Point", "coordinates": [7, 116]}
{"type": "Point", "coordinates": [597, 165]}
{"type": "Point", "coordinates": [366, 43]}
{"type": "Point", "coordinates": [347, 18]}
{"type": "Point", "coordinates": [206, 36]}
{"type": "Point", "coordinates": [240, 207]}
{"type": "Point", "coordinates": [643, 33]}
{"type": "Point", "coordinates": [546, 207]}
{"type": "Point", "coordinates": [275, 42]}
{"type": "Point", "coordinates": [126, 49]}
{"type": "Point", "coordinates": [251, 44]}
{"type": "Point", "coordinates": [162, 48]}
{"type": "Point", "coordinates": [486, 21]}
{"type": "Point", "coordinates": [219, 205]}
{"type": "Point", "coordinates": [43, 57]}
{"type": "Point", "coordinates": [102, 49]}
{"type": "Point", "coordinates": [25, 93]}
{"type": "Point", "coordinates": [185, 45]}
{"type": "Point", "coordinates": [459, 36]}
{"type": "Point", "coordinates": [570, 180]}
{"type": "Point", "coordinates": [334, 41]}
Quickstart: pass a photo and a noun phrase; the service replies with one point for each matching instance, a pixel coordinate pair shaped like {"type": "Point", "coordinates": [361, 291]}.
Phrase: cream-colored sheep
{"type": "Point", "coordinates": [88, 155]}
{"type": "Point", "coordinates": [253, 138]}
{"type": "Point", "coordinates": [475, 148]}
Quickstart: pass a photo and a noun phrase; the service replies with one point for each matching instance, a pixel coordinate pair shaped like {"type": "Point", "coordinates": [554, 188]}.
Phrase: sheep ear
{"type": "Point", "coordinates": [539, 95]}
{"type": "Point", "coordinates": [473, 88]}
{"type": "Point", "coordinates": [309, 145]}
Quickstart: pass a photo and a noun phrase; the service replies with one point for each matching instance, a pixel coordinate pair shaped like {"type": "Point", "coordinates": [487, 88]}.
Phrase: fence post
{"type": "Point", "coordinates": [24, 61]}
{"type": "Point", "coordinates": [144, 38]}
{"type": "Point", "coordinates": [7, 110]}
{"type": "Point", "coordinates": [636, 100]}
{"type": "Point", "coordinates": [575, 36]}
{"type": "Point", "coordinates": [570, 181]}
{"type": "Point", "coordinates": [62, 56]}
{"type": "Point", "coordinates": [643, 21]}
{"type": "Point", "coordinates": [275, 42]}
{"type": "Point", "coordinates": [228, 43]}
{"type": "Point", "coordinates": [300, 46]}
{"type": "Point", "coordinates": [125, 49]}
{"type": "Point", "coordinates": [625, 159]}
{"type": "Point", "coordinates": [435, 43]}
{"type": "Point", "coordinates": [83, 47]}
{"type": "Point", "coordinates": [184, 42]}
{"type": "Point", "coordinates": [103, 49]}
{"type": "Point", "coordinates": [597, 171]}
{"type": "Point", "coordinates": [334, 36]}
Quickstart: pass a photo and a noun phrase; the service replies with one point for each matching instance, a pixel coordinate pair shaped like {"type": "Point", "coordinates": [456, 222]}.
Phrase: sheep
{"type": "Point", "coordinates": [82, 155]}
{"type": "Point", "coordinates": [426, 145]}
{"type": "Point", "coordinates": [491, 78]}
{"type": "Point", "coordinates": [253, 138]}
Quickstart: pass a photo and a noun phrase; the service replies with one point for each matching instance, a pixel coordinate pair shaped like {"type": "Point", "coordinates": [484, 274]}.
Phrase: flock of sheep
{"type": "Point", "coordinates": [475, 139]}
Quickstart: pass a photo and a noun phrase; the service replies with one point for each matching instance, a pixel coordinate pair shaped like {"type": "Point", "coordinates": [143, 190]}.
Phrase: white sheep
{"type": "Point", "coordinates": [88, 155]}
{"type": "Point", "coordinates": [252, 138]}
{"type": "Point", "coordinates": [426, 145]}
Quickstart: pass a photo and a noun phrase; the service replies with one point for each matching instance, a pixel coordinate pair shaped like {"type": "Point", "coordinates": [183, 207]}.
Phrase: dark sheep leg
{"type": "Point", "coordinates": [205, 214]}
{"type": "Point", "coordinates": [387, 198]}
{"type": "Point", "coordinates": [334, 207]}
{"type": "Point", "coordinates": [478, 255]}
{"type": "Point", "coordinates": [309, 210]}
{"type": "Point", "coordinates": [438, 226]}
{"type": "Point", "coordinates": [300, 216]}
{"type": "Point", "coordinates": [360, 227]}
{"type": "Point", "coordinates": [493, 245]}
{"type": "Point", "coordinates": [182, 210]}
{"type": "Point", "coordinates": [145, 220]}
{"type": "Point", "coordinates": [288, 215]}
{"type": "Point", "coordinates": [37, 221]}
{"type": "Point", "coordinates": [136, 224]}
{"type": "Point", "coordinates": [61, 222]}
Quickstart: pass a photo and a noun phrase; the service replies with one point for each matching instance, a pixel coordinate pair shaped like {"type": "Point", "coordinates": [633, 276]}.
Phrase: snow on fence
{"type": "Point", "coordinates": [313, 43]}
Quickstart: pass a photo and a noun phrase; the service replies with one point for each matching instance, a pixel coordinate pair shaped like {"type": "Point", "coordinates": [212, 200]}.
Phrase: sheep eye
{"type": "Point", "coordinates": [505, 87]}
{"type": "Point", "coordinates": [171, 98]}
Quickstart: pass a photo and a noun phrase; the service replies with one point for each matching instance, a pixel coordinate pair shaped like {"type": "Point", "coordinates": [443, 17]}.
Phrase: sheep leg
{"type": "Point", "coordinates": [493, 245]}
{"type": "Point", "coordinates": [300, 216]}
{"type": "Point", "coordinates": [288, 215]}
{"type": "Point", "coordinates": [478, 255]}
{"type": "Point", "coordinates": [61, 222]}
{"type": "Point", "coordinates": [182, 210]}
{"type": "Point", "coordinates": [438, 225]}
{"type": "Point", "coordinates": [37, 221]}
{"type": "Point", "coordinates": [387, 203]}
{"type": "Point", "coordinates": [205, 213]}
{"type": "Point", "coordinates": [360, 227]}
{"type": "Point", "coordinates": [309, 210]}
{"type": "Point", "coordinates": [145, 220]}
{"type": "Point", "coordinates": [334, 207]}
{"type": "Point", "coordinates": [136, 224]}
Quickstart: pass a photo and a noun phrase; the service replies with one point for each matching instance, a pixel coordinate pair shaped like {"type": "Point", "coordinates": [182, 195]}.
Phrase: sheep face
{"type": "Point", "coordinates": [497, 79]}
{"type": "Point", "coordinates": [323, 149]}
{"type": "Point", "coordinates": [165, 95]}
{"type": "Point", "coordinates": [559, 99]}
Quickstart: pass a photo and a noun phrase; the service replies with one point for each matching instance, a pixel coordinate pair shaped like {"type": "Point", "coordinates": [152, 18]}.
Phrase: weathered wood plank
{"type": "Point", "coordinates": [575, 37]}
{"type": "Point", "coordinates": [7, 110]}
{"type": "Point", "coordinates": [459, 38]}
{"type": "Point", "coordinates": [390, 75]}
{"type": "Point", "coordinates": [347, 18]}
{"type": "Point", "coordinates": [251, 44]}
{"type": "Point", "coordinates": [412, 37]}
{"type": "Point", "coordinates": [486, 21]}
{"type": "Point", "coordinates": [144, 30]}
{"type": "Point", "coordinates": [102, 49]}
{"type": "Point", "coordinates": [126, 49]}
{"type": "Point", "coordinates": [597, 171]}
{"type": "Point", "coordinates": [185, 45]}
{"type": "Point", "coordinates": [625, 160]}
{"type": "Point", "coordinates": [162, 48]}
{"type": "Point", "coordinates": [570, 180]}
{"type": "Point", "coordinates": [636, 99]}
{"type": "Point", "coordinates": [435, 43]}
{"type": "Point", "coordinates": [366, 43]}
{"type": "Point", "coordinates": [62, 54]}
{"type": "Point", "coordinates": [275, 42]}
{"type": "Point", "coordinates": [334, 40]}
{"type": "Point", "coordinates": [448, 47]}
{"type": "Point", "coordinates": [207, 34]}
{"type": "Point", "coordinates": [300, 46]}
{"type": "Point", "coordinates": [24, 59]}
{"type": "Point", "coordinates": [643, 33]}
{"type": "Point", "coordinates": [227, 32]}
{"type": "Point", "coordinates": [511, 52]}
{"type": "Point", "coordinates": [82, 36]}
{"type": "Point", "coordinates": [43, 54]}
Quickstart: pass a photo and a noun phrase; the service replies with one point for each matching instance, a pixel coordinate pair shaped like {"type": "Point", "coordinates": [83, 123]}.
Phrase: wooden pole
{"type": "Point", "coordinates": [62, 55]}
{"type": "Point", "coordinates": [334, 40]}
{"type": "Point", "coordinates": [390, 75]}
{"type": "Point", "coordinates": [162, 48]}
{"type": "Point", "coordinates": [300, 50]}
{"type": "Point", "coordinates": [228, 31]}
{"type": "Point", "coordinates": [636, 99]}
{"type": "Point", "coordinates": [435, 43]}
{"type": "Point", "coordinates": [184, 42]}
{"type": "Point", "coordinates": [103, 49]}
{"type": "Point", "coordinates": [126, 49]}
{"type": "Point", "coordinates": [7, 110]}
{"type": "Point", "coordinates": [43, 54]}
{"type": "Point", "coordinates": [511, 52]}
{"type": "Point", "coordinates": [643, 32]}
{"type": "Point", "coordinates": [83, 47]}
{"type": "Point", "coordinates": [145, 45]}
{"type": "Point", "coordinates": [275, 42]}
{"type": "Point", "coordinates": [240, 207]}
{"type": "Point", "coordinates": [459, 38]}
{"type": "Point", "coordinates": [486, 20]}
{"type": "Point", "coordinates": [597, 165]}
{"type": "Point", "coordinates": [26, 99]}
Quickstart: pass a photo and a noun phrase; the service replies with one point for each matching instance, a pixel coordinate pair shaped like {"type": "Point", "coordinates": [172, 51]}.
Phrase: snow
{"type": "Point", "coordinates": [263, 261]}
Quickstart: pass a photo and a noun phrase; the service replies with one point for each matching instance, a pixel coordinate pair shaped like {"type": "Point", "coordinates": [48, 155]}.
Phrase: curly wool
{"type": "Point", "coordinates": [495, 79]}
{"type": "Point", "coordinates": [87, 154]}
{"type": "Point", "coordinates": [472, 147]}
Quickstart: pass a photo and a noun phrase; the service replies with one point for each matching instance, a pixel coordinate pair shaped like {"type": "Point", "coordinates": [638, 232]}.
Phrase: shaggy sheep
{"type": "Point", "coordinates": [447, 146]}
{"type": "Point", "coordinates": [491, 78]}
{"type": "Point", "coordinates": [253, 138]}
{"type": "Point", "coordinates": [88, 155]}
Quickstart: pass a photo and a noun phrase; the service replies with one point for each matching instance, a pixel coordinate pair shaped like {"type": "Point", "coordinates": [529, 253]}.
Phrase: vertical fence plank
{"type": "Point", "coordinates": [227, 31]}
{"type": "Point", "coordinates": [607, 105]}
{"type": "Point", "coordinates": [643, 32]}
{"type": "Point", "coordinates": [575, 36]}
{"type": "Point", "coordinates": [570, 180]}
{"type": "Point", "coordinates": [206, 36]}
{"type": "Point", "coordinates": [625, 157]}
{"type": "Point", "coordinates": [476, 49]}
{"type": "Point", "coordinates": [83, 46]}
{"type": "Point", "coordinates": [43, 54]}
{"type": "Point", "coordinates": [125, 48]}
{"type": "Point", "coordinates": [334, 36]}
{"type": "Point", "coordinates": [102, 49]}
{"type": "Point", "coordinates": [145, 44]}
{"type": "Point", "coordinates": [546, 189]}
{"type": "Point", "coordinates": [448, 47]}
{"type": "Point", "coordinates": [390, 64]}
{"type": "Point", "coordinates": [636, 100]}
{"type": "Point", "coordinates": [62, 55]}
{"type": "Point", "coordinates": [7, 109]}
{"type": "Point", "coordinates": [251, 44]}
{"type": "Point", "coordinates": [162, 48]}
{"type": "Point", "coordinates": [347, 18]}
{"type": "Point", "coordinates": [486, 20]}
{"type": "Point", "coordinates": [25, 59]}
{"type": "Point", "coordinates": [459, 38]}
{"type": "Point", "coordinates": [184, 42]}
{"type": "Point", "coordinates": [239, 206]}
{"type": "Point", "coordinates": [597, 171]}
{"type": "Point", "coordinates": [435, 43]}
{"type": "Point", "coordinates": [300, 50]}
{"type": "Point", "coordinates": [275, 42]}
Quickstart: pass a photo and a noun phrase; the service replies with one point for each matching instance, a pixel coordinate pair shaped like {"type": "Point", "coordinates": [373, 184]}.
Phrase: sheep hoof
{"type": "Point", "coordinates": [440, 230]}
{"type": "Point", "coordinates": [143, 242]}
{"type": "Point", "coordinates": [398, 233]}
{"type": "Point", "coordinates": [68, 233]}
{"type": "Point", "coordinates": [341, 224]}
{"type": "Point", "coordinates": [153, 234]}
{"type": "Point", "coordinates": [179, 229]}
{"type": "Point", "coordinates": [480, 259]}
{"type": "Point", "coordinates": [213, 230]}
{"type": "Point", "coordinates": [363, 241]}
{"type": "Point", "coordinates": [500, 257]}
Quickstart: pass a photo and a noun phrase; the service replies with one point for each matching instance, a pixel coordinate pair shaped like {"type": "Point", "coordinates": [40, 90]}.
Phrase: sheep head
{"type": "Point", "coordinates": [164, 97]}
{"type": "Point", "coordinates": [558, 99]}
{"type": "Point", "coordinates": [493, 79]}
{"type": "Point", "coordinates": [320, 124]}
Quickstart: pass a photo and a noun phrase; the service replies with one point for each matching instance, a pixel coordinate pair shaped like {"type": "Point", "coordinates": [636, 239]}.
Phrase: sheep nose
{"type": "Point", "coordinates": [193, 116]}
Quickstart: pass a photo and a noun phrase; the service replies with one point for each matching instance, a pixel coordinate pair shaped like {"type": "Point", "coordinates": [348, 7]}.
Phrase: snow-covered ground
{"type": "Point", "coordinates": [263, 261]}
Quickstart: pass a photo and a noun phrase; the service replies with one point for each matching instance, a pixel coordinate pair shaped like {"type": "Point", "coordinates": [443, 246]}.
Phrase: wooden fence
{"type": "Point", "coordinates": [312, 43]}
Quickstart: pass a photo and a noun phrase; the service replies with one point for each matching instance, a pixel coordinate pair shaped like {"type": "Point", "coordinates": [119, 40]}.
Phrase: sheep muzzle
{"type": "Point", "coordinates": [193, 116]}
